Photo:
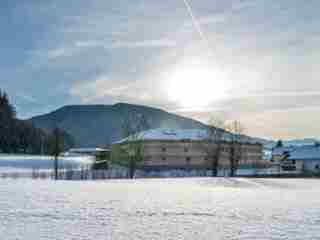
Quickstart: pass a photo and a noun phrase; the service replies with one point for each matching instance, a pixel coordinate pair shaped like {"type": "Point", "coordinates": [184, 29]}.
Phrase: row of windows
{"type": "Point", "coordinates": [164, 149]}
{"type": "Point", "coordinates": [207, 158]}
{"type": "Point", "coordinates": [188, 159]}
{"type": "Point", "coordinates": [187, 150]}
{"type": "Point", "coordinates": [223, 149]}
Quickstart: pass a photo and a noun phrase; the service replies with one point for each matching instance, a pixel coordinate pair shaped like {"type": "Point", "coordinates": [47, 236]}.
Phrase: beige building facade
{"type": "Point", "coordinates": [191, 154]}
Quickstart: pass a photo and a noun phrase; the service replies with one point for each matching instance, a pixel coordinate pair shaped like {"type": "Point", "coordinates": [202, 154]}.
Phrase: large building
{"type": "Point", "coordinates": [188, 149]}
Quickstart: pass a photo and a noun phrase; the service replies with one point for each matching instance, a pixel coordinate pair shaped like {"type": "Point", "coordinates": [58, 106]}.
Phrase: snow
{"type": "Point", "coordinates": [169, 134]}
{"type": "Point", "coordinates": [194, 208]}
{"type": "Point", "coordinates": [163, 134]}
{"type": "Point", "coordinates": [78, 152]}
{"type": "Point", "coordinates": [86, 150]}
{"type": "Point", "coordinates": [279, 151]}
{"type": "Point", "coordinates": [13, 161]}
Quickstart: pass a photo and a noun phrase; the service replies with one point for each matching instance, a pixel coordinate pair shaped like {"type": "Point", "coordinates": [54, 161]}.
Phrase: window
{"type": "Point", "coordinates": [289, 168]}
{"type": "Point", "coordinates": [293, 161]}
{"type": "Point", "coordinates": [164, 149]}
{"type": "Point", "coordinates": [188, 159]}
{"type": "Point", "coordinates": [164, 158]}
{"type": "Point", "coordinates": [186, 149]}
{"type": "Point", "coordinates": [148, 159]}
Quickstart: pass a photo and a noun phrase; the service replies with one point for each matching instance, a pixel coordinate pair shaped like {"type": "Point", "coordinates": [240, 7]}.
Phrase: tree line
{"type": "Point", "coordinates": [20, 136]}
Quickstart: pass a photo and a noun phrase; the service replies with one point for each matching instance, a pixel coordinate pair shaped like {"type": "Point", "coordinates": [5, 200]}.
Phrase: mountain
{"type": "Point", "coordinates": [301, 142]}
{"type": "Point", "coordinates": [100, 125]}
{"type": "Point", "coordinates": [269, 144]}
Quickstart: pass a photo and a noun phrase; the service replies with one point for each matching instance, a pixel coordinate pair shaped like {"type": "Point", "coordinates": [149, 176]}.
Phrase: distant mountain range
{"type": "Point", "coordinates": [100, 125]}
{"type": "Point", "coordinates": [294, 142]}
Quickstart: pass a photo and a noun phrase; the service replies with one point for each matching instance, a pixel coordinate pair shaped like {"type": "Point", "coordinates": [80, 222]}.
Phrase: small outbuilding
{"type": "Point", "coordinates": [306, 158]}
{"type": "Point", "coordinates": [300, 158]}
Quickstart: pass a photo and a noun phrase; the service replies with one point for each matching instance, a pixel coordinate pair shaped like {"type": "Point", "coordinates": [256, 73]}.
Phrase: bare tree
{"type": "Point", "coordinates": [236, 133]}
{"type": "Point", "coordinates": [133, 146]}
{"type": "Point", "coordinates": [57, 149]}
{"type": "Point", "coordinates": [213, 144]}
{"type": "Point", "coordinates": [35, 173]}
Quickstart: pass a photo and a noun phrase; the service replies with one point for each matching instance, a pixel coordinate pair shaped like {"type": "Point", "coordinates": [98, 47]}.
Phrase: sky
{"type": "Point", "coordinates": [250, 60]}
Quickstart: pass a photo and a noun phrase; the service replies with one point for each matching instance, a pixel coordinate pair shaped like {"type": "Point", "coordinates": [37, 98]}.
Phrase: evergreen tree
{"type": "Point", "coordinates": [279, 144]}
{"type": "Point", "coordinates": [17, 136]}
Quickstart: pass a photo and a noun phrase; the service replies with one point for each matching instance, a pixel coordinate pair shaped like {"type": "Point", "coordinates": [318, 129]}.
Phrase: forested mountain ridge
{"type": "Point", "coordinates": [101, 125]}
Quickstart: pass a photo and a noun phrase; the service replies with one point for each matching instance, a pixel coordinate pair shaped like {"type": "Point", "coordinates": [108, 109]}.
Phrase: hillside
{"type": "Point", "coordinates": [100, 125]}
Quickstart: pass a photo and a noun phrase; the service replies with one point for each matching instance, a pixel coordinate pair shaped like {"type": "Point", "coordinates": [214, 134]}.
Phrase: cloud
{"type": "Point", "coordinates": [110, 89]}
{"type": "Point", "coordinates": [282, 94]}
{"type": "Point", "coordinates": [145, 44]}
{"type": "Point", "coordinates": [60, 52]}
{"type": "Point", "coordinates": [79, 46]}
{"type": "Point", "coordinates": [155, 43]}
{"type": "Point", "coordinates": [28, 98]}
{"type": "Point", "coordinates": [89, 91]}
{"type": "Point", "coordinates": [104, 88]}
{"type": "Point", "coordinates": [54, 53]}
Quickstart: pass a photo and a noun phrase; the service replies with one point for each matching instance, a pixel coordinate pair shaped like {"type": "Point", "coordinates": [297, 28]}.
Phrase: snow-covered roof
{"type": "Point", "coordinates": [168, 134]}
{"type": "Point", "coordinates": [86, 150]}
{"type": "Point", "coordinates": [163, 134]}
{"type": "Point", "coordinates": [310, 152]}
{"type": "Point", "coordinates": [282, 150]}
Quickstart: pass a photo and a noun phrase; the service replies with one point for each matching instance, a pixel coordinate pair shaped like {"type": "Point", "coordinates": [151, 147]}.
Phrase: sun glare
{"type": "Point", "coordinates": [196, 85]}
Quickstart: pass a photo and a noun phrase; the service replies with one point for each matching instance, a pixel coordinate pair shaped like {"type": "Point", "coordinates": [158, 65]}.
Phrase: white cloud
{"type": "Point", "coordinates": [89, 91]}
{"type": "Point", "coordinates": [145, 44]}
{"type": "Point", "coordinates": [53, 53]}
{"type": "Point", "coordinates": [60, 52]}
{"type": "Point", "coordinates": [103, 88]}
{"type": "Point", "coordinates": [28, 98]}
{"type": "Point", "coordinates": [154, 43]}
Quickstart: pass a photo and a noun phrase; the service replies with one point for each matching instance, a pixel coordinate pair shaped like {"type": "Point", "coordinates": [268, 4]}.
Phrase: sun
{"type": "Point", "coordinates": [195, 85]}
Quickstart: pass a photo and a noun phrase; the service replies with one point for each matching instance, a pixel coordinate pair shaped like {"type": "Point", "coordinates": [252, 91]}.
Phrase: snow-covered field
{"type": "Point", "coordinates": [18, 163]}
{"type": "Point", "coordinates": [193, 208]}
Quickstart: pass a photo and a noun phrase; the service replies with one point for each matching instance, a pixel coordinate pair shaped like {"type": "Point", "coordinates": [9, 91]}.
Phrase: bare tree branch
{"type": "Point", "coordinates": [213, 142]}
{"type": "Point", "coordinates": [236, 130]}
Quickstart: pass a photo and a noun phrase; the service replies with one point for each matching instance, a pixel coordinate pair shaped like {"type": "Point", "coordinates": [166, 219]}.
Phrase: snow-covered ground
{"type": "Point", "coordinates": [193, 208]}
{"type": "Point", "coordinates": [24, 165]}
{"type": "Point", "coordinates": [18, 163]}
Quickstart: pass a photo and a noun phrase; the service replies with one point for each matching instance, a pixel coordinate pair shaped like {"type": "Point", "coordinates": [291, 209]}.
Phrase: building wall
{"type": "Point", "coordinates": [301, 166]}
{"type": "Point", "coordinates": [308, 165]}
{"type": "Point", "coordinates": [193, 154]}
{"type": "Point", "coordinates": [277, 159]}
